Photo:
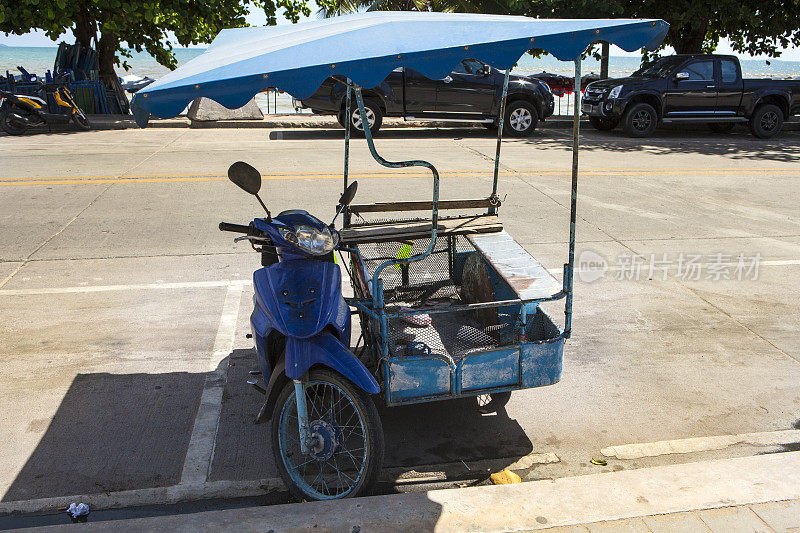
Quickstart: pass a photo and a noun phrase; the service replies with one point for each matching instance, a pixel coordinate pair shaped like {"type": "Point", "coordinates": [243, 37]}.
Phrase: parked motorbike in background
{"type": "Point", "coordinates": [20, 113]}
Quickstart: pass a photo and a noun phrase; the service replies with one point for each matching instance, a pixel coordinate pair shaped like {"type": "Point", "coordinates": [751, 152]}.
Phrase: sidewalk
{"type": "Point", "coordinates": [759, 493]}
{"type": "Point", "coordinates": [307, 120]}
{"type": "Point", "coordinates": [292, 120]}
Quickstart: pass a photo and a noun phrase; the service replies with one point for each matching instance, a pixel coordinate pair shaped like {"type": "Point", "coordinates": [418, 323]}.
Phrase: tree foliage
{"type": "Point", "coordinates": [115, 27]}
{"type": "Point", "coordinates": [752, 26]}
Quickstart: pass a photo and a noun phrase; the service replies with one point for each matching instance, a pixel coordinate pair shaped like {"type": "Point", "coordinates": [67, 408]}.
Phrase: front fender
{"type": "Point", "coordinates": [325, 349]}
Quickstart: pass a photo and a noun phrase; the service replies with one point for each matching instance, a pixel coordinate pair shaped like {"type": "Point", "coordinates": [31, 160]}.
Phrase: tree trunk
{"type": "Point", "coordinates": [604, 53]}
{"type": "Point", "coordinates": [107, 52]}
{"type": "Point", "coordinates": [689, 39]}
{"type": "Point", "coordinates": [84, 29]}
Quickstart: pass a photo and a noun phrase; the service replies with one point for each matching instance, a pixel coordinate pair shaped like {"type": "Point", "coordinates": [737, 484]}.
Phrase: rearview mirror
{"type": "Point", "coordinates": [682, 76]}
{"type": "Point", "coordinates": [245, 176]}
{"type": "Point", "coordinates": [348, 194]}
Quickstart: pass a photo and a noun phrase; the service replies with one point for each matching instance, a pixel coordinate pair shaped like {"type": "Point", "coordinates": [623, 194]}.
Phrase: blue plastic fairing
{"type": "Point", "coordinates": [299, 297]}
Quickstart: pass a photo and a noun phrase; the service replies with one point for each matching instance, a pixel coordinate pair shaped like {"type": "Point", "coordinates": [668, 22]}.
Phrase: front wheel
{"type": "Point", "coordinates": [640, 120]}
{"type": "Point", "coordinates": [9, 124]}
{"type": "Point", "coordinates": [347, 451]}
{"type": "Point", "coordinates": [767, 121]}
{"type": "Point", "coordinates": [521, 119]}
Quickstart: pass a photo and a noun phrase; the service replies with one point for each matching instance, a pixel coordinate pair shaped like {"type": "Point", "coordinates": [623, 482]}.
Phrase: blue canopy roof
{"type": "Point", "coordinates": [366, 47]}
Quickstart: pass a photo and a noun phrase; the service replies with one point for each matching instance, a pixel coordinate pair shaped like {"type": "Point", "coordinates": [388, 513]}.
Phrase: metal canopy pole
{"type": "Point", "coordinates": [493, 209]}
{"type": "Point", "coordinates": [570, 266]}
{"type": "Point", "coordinates": [347, 117]}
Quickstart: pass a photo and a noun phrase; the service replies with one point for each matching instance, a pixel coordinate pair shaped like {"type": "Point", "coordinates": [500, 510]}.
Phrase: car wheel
{"type": "Point", "coordinates": [721, 127]}
{"type": "Point", "coordinates": [521, 119]}
{"type": "Point", "coordinates": [374, 116]}
{"type": "Point", "coordinates": [640, 120]}
{"type": "Point", "coordinates": [767, 121]}
{"type": "Point", "coordinates": [603, 123]}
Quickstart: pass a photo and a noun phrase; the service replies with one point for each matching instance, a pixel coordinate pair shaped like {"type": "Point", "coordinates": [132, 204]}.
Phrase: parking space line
{"type": "Point", "coordinates": [129, 287]}
{"type": "Point", "coordinates": [701, 444]}
{"type": "Point", "coordinates": [202, 442]}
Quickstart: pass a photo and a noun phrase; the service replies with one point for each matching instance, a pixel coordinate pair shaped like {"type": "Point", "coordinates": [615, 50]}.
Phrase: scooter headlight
{"type": "Point", "coordinates": [311, 240]}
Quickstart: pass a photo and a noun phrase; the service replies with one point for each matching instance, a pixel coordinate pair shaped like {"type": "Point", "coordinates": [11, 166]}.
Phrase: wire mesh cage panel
{"type": "Point", "coordinates": [435, 283]}
{"type": "Point", "coordinates": [450, 335]}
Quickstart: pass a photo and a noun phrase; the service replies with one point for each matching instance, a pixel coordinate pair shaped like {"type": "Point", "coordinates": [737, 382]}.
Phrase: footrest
{"type": "Point", "coordinates": [525, 275]}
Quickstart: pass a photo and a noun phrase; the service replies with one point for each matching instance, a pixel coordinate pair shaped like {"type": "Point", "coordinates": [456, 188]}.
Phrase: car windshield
{"type": "Point", "coordinates": [659, 68]}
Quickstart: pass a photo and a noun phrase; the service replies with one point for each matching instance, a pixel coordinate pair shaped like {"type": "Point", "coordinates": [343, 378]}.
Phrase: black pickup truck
{"type": "Point", "coordinates": [691, 88]}
{"type": "Point", "coordinates": [471, 93]}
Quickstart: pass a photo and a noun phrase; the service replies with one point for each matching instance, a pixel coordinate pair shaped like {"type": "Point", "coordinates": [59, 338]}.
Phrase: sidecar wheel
{"type": "Point", "coordinates": [491, 403]}
{"type": "Point", "coordinates": [348, 454]}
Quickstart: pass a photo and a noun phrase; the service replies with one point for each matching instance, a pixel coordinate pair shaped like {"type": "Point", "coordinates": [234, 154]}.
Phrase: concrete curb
{"type": "Point", "coordinates": [208, 490]}
{"type": "Point", "coordinates": [303, 121]}
{"type": "Point", "coordinates": [519, 507]}
{"type": "Point", "coordinates": [308, 121]}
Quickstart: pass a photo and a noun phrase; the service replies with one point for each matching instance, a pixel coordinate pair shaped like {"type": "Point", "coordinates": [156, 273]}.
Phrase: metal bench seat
{"type": "Point", "coordinates": [399, 231]}
{"type": "Point", "coordinates": [525, 275]}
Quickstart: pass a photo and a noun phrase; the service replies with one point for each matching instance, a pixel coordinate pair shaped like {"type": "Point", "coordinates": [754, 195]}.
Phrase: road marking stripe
{"type": "Point", "coordinates": [701, 444]}
{"type": "Point", "coordinates": [200, 452]}
{"type": "Point", "coordinates": [156, 178]}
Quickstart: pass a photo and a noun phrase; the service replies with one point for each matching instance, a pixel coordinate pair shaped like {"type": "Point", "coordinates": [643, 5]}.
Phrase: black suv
{"type": "Point", "coordinates": [471, 93]}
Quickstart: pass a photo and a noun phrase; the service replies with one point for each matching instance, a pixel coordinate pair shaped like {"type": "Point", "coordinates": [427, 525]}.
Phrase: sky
{"type": "Point", "coordinates": [37, 38]}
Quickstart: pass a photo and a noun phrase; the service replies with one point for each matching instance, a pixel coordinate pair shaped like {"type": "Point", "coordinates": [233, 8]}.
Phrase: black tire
{"type": "Point", "coordinates": [521, 119]}
{"type": "Point", "coordinates": [767, 121]}
{"type": "Point", "coordinates": [603, 123]}
{"type": "Point", "coordinates": [358, 402]}
{"type": "Point", "coordinates": [640, 120]}
{"type": "Point", "coordinates": [491, 403]}
{"type": "Point", "coordinates": [373, 109]}
{"type": "Point", "coordinates": [721, 127]}
{"type": "Point", "coordinates": [8, 125]}
{"type": "Point", "coordinates": [81, 121]}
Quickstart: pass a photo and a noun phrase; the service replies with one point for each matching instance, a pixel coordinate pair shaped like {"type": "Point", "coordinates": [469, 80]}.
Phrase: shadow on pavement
{"type": "Point", "coordinates": [116, 432]}
{"type": "Point", "coordinates": [113, 432]}
{"type": "Point", "coordinates": [683, 139]}
{"type": "Point", "coordinates": [423, 434]}
{"type": "Point", "coordinates": [305, 134]}
{"type": "Point", "coordinates": [739, 144]}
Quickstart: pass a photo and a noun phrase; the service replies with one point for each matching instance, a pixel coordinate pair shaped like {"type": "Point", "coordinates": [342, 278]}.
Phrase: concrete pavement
{"type": "Point", "coordinates": [114, 283]}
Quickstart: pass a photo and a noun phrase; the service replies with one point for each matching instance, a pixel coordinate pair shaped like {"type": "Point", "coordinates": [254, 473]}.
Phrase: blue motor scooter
{"type": "Point", "coordinates": [327, 437]}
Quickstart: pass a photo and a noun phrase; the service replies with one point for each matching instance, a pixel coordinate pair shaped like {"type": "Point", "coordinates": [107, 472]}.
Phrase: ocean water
{"type": "Point", "coordinates": [39, 59]}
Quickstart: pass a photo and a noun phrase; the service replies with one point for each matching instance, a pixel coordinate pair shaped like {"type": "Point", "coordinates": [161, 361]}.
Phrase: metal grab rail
{"type": "Point", "coordinates": [377, 285]}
